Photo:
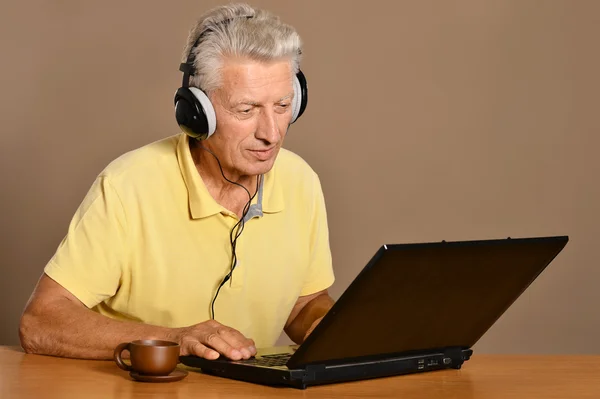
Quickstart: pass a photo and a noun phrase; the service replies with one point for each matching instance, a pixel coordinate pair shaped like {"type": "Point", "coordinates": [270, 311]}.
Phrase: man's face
{"type": "Point", "coordinates": [253, 110]}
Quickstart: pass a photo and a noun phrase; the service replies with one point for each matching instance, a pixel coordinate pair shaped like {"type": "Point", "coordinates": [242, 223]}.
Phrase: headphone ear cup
{"type": "Point", "coordinates": [300, 96]}
{"type": "Point", "coordinates": [194, 113]}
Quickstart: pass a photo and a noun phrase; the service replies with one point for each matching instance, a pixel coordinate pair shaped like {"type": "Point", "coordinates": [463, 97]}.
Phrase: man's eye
{"type": "Point", "coordinates": [246, 111]}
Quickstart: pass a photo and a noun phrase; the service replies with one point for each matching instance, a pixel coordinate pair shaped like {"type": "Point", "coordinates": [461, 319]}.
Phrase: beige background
{"type": "Point", "coordinates": [427, 120]}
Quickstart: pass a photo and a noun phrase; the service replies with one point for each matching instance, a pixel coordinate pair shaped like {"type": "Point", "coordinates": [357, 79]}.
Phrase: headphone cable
{"type": "Point", "coordinates": [238, 228]}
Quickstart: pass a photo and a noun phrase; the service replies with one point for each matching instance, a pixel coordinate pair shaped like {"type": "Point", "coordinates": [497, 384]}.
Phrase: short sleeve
{"type": "Point", "coordinates": [90, 258]}
{"type": "Point", "coordinates": [320, 274]}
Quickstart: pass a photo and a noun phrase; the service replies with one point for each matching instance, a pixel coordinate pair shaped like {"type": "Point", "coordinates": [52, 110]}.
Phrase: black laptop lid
{"type": "Point", "coordinates": [419, 297]}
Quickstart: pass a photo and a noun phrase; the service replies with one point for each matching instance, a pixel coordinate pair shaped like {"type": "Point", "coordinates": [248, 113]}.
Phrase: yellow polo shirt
{"type": "Point", "coordinates": [150, 244]}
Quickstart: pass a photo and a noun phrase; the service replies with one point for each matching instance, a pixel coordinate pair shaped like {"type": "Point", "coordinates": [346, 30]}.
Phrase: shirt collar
{"type": "Point", "coordinates": [202, 204]}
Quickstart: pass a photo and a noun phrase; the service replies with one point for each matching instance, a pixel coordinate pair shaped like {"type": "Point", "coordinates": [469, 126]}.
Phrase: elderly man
{"type": "Point", "coordinates": [156, 248]}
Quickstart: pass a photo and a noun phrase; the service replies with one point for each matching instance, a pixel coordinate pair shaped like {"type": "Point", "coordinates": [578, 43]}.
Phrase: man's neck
{"type": "Point", "coordinates": [230, 196]}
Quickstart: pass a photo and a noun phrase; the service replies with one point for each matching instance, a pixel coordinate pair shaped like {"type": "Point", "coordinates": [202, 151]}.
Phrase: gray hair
{"type": "Point", "coordinates": [238, 30]}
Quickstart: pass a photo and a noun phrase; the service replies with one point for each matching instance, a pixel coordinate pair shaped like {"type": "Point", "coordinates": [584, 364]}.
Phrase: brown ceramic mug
{"type": "Point", "coordinates": [149, 357]}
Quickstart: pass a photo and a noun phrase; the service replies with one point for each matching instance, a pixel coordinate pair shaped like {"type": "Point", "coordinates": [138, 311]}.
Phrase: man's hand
{"type": "Point", "coordinates": [211, 339]}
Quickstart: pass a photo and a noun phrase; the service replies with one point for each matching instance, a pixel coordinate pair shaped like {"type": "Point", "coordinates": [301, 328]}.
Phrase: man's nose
{"type": "Point", "coordinates": [268, 130]}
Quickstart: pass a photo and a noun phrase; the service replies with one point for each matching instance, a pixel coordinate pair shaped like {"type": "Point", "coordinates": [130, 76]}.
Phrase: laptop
{"type": "Point", "coordinates": [413, 308]}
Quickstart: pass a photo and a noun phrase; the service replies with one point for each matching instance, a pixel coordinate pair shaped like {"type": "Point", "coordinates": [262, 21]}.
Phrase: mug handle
{"type": "Point", "coordinates": [117, 356]}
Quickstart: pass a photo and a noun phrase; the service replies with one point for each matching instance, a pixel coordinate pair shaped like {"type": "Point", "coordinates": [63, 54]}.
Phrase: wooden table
{"type": "Point", "coordinates": [484, 376]}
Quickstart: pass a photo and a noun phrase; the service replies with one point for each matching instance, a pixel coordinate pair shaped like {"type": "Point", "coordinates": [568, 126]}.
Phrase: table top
{"type": "Point", "coordinates": [484, 376]}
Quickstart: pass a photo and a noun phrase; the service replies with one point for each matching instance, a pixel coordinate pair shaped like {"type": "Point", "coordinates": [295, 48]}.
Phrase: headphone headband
{"type": "Point", "coordinates": [188, 67]}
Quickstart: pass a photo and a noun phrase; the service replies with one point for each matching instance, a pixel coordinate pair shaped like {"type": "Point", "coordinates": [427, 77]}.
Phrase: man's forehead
{"type": "Point", "coordinates": [256, 80]}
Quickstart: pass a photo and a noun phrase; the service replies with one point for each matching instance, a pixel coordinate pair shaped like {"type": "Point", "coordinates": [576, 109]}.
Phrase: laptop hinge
{"type": "Point", "coordinates": [453, 352]}
{"type": "Point", "coordinates": [311, 369]}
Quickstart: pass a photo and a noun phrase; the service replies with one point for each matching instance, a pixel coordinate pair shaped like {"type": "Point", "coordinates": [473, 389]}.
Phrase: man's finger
{"type": "Point", "coordinates": [203, 351]}
{"type": "Point", "coordinates": [252, 346]}
{"type": "Point", "coordinates": [215, 341]}
{"type": "Point", "coordinates": [237, 341]}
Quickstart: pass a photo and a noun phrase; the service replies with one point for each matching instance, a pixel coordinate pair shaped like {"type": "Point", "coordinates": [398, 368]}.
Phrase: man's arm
{"type": "Point", "coordinates": [310, 309]}
{"type": "Point", "coordinates": [56, 323]}
{"type": "Point", "coordinates": [306, 314]}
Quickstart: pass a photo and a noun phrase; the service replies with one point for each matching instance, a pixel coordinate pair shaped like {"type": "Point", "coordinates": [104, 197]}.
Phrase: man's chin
{"type": "Point", "coordinates": [260, 167]}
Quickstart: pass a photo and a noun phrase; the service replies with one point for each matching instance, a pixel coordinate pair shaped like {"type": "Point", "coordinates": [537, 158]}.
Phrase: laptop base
{"type": "Point", "coordinates": [312, 375]}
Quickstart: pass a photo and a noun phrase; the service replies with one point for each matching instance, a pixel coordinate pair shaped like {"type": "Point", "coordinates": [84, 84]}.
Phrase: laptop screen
{"type": "Point", "coordinates": [420, 297]}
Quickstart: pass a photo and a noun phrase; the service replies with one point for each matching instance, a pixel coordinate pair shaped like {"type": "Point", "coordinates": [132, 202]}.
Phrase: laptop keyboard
{"type": "Point", "coordinates": [276, 360]}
